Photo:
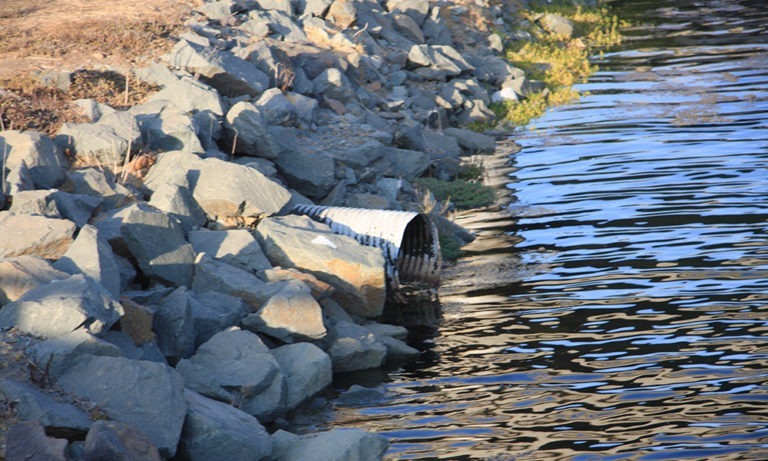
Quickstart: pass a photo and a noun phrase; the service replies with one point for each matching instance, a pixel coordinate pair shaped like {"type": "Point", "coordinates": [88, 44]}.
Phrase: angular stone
{"type": "Point", "coordinates": [175, 325]}
{"type": "Point", "coordinates": [90, 254]}
{"type": "Point", "coordinates": [20, 274]}
{"type": "Point", "coordinates": [150, 395]}
{"type": "Point", "coordinates": [62, 306]}
{"type": "Point", "coordinates": [222, 70]}
{"type": "Point", "coordinates": [215, 430]}
{"type": "Point", "coordinates": [246, 192]}
{"type": "Point", "coordinates": [355, 348]}
{"type": "Point", "coordinates": [213, 275]}
{"type": "Point", "coordinates": [55, 356]}
{"type": "Point", "coordinates": [332, 83]}
{"type": "Point", "coordinates": [314, 7]}
{"type": "Point", "coordinates": [213, 312]}
{"type": "Point", "coordinates": [38, 154]}
{"type": "Point", "coordinates": [100, 185]}
{"type": "Point", "coordinates": [28, 441]}
{"type": "Point", "coordinates": [59, 418]}
{"type": "Point", "coordinates": [290, 314]}
{"type": "Point", "coordinates": [137, 321]}
{"type": "Point", "coordinates": [130, 350]}
{"type": "Point", "coordinates": [356, 271]}
{"type": "Point", "coordinates": [118, 441]}
{"type": "Point", "coordinates": [246, 131]}
{"type": "Point", "coordinates": [416, 9]}
{"type": "Point", "coordinates": [307, 369]}
{"type": "Point", "coordinates": [276, 108]}
{"type": "Point", "coordinates": [179, 201]}
{"type": "Point", "coordinates": [279, 23]}
{"type": "Point", "coordinates": [34, 235]}
{"type": "Point", "coordinates": [237, 247]}
{"type": "Point", "coordinates": [54, 203]}
{"type": "Point", "coordinates": [320, 289]}
{"type": "Point", "coordinates": [472, 142]}
{"type": "Point", "coordinates": [191, 95]}
{"type": "Point", "coordinates": [236, 367]}
{"type": "Point", "coordinates": [158, 244]}
{"type": "Point", "coordinates": [93, 143]}
{"type": "Point", "coordinates": [312, 174]}
{"type": "Point", "coordinates": [557, 24]}
{"type": "Point", "coordinates": [166, 127]}
{"type": "Point", "coordinates": [342, 13]}
{"type": "Point", "coordinates": [337, 445]}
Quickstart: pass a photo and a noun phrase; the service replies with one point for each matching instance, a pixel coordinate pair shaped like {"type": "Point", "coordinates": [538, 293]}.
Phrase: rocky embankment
{"type": "Point", "coordinates": [158, 299]}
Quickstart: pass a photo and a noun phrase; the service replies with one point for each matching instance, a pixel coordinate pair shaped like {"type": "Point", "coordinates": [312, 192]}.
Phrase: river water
{"type": "Point", "coordinates": [617, 308]}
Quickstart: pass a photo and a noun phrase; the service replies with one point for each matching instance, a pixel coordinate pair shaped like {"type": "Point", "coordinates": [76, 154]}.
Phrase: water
{"type": "Point", "coordinates": [619, 310]}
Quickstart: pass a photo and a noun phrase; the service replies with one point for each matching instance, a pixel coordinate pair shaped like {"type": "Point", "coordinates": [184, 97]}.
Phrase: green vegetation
{"type": "Point", "coordinates": [558, 61]}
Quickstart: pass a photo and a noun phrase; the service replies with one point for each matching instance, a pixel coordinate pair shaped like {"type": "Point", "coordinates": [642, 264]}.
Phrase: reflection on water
{"type": "Point", "coordinates": [619, 308]}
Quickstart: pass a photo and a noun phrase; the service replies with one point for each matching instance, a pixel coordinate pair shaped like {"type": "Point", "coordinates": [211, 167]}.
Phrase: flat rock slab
{"type": "Point", "coordinates": [30, 404]}
{"type": "Point", "coordinates": [216, 430]}
{"type": "Point", "coordinates": [34, 235]}
{"type": "Point", "coordinates": [20, 274]}
{"type": "Point", "coordinates": [62, 306]}
{"type": "Point", "coordinates": [146, 395]}
{"type": "Point", "coordinates": [157, 242]}
{"type": "Point", "coordinates": [335, 445]}
{"type": "Point", "coordinates": [356, 271]}
{"type": "Point", "coordinates": [39, 153]}
{"type": "Point", "coordinates": [291, 314]}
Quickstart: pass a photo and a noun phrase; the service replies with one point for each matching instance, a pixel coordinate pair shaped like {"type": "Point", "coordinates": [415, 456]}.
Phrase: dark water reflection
{"type": "Point", "coordinates": [619, 310]}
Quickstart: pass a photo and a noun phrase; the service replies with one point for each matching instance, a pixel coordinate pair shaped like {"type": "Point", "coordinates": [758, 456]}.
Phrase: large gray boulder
{"type": "Point", "coordinates": [222, 70]}
{"type": "Point", "coordinates": [166, 127]}
{"type": "Point", "coordinates": [191, 95]}
{"type": "Point", "coordinates": [213, 312]}
{"type": "Point", "coordinates": [174, 325]}
{"type": "Point", "coordinates": [246, 131]}
{"type": "Point", "coordinates": [54, 203]}
{"type": "Point", "coordinates": [34, 235]}
{"type": "Point", "coordinates": [19, 274]}
{"type": "Point", "coordinates": [340, 444]}
{"type": "Point", "coordinates": [279, 23]}
{"type": "Point", "coordinates": [237, 247]}
{"type": "Point", "coordinates": [224, 190]}
{"type": "Point", "coordinates": [157, 242]}
{"type": "Point", "coordinates": [354, 348]}
{"type": "Point", "coordinates": [38, 154]}
{"type": "Point", "coordinates": [416, 9]}
{"type": "Point", "coordinates": [215, 430]}
{"type": "Point", "coordinates": [147, 395]}
{"type": "Point", "coordinates": [311, 173]}
{"type": "Point", "coordinates": [100, 185]}
{"type": "Point", "coordinates": [30, 404]}
{"type": "Point", "coordinates": [437, 62]}
{"type": "Point", "coordinates": [307, 369]}
{"type": "Point", "coordinates": [289, 315]}
{"type": "Point", "coordinates": [356, 271]}
{"type": "Point", "coordinates": [90, 254]}
{"type": "Point", "coordinates": [471, 141]}
{"type": "Point", "coordinates": [93, 143]}
{"type": "Point", "coordinates": [62, 306]}
{"type": "Point", "coordinates": [59, 354]}
{"type": "Point", "coordinates": [236, 367]}
{"type": "Point", "coordinates": [217, 276]}
{"type": "Point", "coordinates": [28, 441]}
{"type": "Point", "coordinates": [115, 440]}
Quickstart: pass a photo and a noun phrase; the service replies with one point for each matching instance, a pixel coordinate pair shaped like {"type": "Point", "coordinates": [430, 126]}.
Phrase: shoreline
{"type": "Point", "coordinates": [166, 268]}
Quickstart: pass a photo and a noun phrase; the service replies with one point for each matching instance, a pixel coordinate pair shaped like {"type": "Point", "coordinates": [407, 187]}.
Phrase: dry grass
{"type": "Point", "coordinates": [79, 36]}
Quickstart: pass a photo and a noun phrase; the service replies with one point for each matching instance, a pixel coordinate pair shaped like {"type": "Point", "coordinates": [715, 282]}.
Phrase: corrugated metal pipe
{"type": "Point", "coordinates": [408, 239]}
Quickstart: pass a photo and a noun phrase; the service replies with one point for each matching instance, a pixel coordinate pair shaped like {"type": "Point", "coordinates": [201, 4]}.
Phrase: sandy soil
{"type": "Point", "coordinates": [30, 31]}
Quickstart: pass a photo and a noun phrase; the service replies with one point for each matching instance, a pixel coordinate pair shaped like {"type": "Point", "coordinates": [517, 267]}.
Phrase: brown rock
{"type": "Point", "coordinates": [22, 273]}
